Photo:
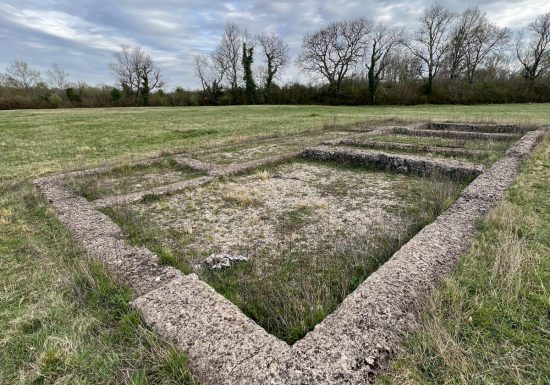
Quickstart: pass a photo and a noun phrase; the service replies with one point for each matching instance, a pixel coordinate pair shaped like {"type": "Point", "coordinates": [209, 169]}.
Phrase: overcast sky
{"type": "Point", "coordinates": [81, 35]}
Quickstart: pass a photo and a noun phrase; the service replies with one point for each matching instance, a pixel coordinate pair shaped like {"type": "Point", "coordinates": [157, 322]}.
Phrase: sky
{"type": "Point", "coordinates": [82, 35]}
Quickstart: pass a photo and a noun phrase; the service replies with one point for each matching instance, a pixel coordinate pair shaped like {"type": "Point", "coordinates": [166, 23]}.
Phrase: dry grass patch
{"type": "Point", "coordinates": [240, 196]}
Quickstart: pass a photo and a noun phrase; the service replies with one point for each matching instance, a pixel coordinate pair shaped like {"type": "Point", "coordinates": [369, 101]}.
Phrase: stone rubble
{"type": "Point", "coordinates": [220, 261]}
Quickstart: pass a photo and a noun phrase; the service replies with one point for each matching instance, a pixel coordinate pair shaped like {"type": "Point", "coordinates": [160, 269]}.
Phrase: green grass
{"type": "Point", "coordinates": [64, 321]}
{"type": "Point", "coordinates": [488, 322]}
{"type": "Point", "coordinates": [41, 141]}
{"type": "Point", "coordinates": [49, 334]}
{"type": "Point", "coordinates": [126, 179]}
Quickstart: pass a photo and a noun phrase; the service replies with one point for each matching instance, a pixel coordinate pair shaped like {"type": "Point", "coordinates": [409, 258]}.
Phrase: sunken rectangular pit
{"type": "Point", "coordinates": [288, 242]}
{"type": "Point", "coordinates": [130, 178]}
{"type": "Point", "coordinates": [306, 266]}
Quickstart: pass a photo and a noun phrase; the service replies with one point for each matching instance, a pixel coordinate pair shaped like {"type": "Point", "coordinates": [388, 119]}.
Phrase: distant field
{"type": "Point", "coordinates": [64, 321]}
{"type": "Point", "coordinates": [34, 142]}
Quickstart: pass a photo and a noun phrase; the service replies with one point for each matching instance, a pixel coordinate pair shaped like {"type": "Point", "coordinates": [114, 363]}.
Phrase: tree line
{"type": "Point", "coordinates": [448, 58]}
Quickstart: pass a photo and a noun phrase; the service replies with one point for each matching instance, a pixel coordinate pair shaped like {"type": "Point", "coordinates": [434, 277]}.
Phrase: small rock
{"type": "Point", "coordinates": [220, 261]}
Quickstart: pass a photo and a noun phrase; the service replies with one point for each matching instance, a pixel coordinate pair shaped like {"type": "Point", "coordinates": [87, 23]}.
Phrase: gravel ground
{"type": "Point", "coordinates": [299, 205]}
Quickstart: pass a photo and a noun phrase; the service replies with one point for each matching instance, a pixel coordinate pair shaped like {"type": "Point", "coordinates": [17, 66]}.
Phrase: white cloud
{"type": "Point", "coordinates": [85, 33]}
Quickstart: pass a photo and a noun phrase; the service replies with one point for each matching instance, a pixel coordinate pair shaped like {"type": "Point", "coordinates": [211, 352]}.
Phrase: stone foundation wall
{"type": "Point", "coordinates": [396, 162]}
{"type": "Point", "coordinates": [455, 134]}
{"type": "Point", "coordinates": [351, 345]}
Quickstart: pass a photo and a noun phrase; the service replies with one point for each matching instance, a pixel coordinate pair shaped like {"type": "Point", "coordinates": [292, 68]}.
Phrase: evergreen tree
{"type": "Point", "coordinates": [247, 60]}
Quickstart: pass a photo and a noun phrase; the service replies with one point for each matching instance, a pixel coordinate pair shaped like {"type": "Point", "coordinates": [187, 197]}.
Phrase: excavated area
{"type": "Point", "coordinates": [131, 178]}
{"type": "Point", "coordinates": [355, 341]}
{"type": "Point", "coordinates": [303, 206]}
{"type": "Point", "coordinates": [246, 152]}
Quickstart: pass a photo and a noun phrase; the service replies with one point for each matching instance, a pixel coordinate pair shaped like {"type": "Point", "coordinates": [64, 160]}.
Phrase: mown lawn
{"type": "Point", "coordinates": [64, 321]}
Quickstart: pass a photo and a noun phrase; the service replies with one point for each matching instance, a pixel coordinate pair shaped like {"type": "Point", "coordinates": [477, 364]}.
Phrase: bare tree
{"type": "Point", "coordinates": [473, 39]}
{"type": "Point", "coordinates": [485, 39]}
{"type": "Point", "coordinates": [20, 75]}
{"type": "Point", "coordinates": [4, 84]}
{"type": "Point", "coordinates": [431, 41]}
{"type": "Point", "coordinates": [276, 56]}
{"type": "Point", "coordinates": [210, 71]}
{"type": "Point", "coordinates": [136, 72]}
{"type": "Point", "coordinates": [534, 55]}
{"type": "Point", "coordinates": [402, 66]}
{"type": "Point", "coordinates": [460, 34]}
{"type": "Point", "coordinates": [227, 55]}
{"type": "Point", "coordinates": [202, 68]}
{"type": "Point", "coordinates": [124, 70]}
{"type": "Point", "coordinates": [57, 77]}
{"type": "Point", "coordinates": [148, 73]}
{"type": "Point", "coordinates": [335, 50]}
{"type": "Point", "coordinates": [383, 43]}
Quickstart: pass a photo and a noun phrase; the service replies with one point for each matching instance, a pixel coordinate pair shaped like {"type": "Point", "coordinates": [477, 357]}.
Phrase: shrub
{"type": "Point", "coordinates": [55, 101]}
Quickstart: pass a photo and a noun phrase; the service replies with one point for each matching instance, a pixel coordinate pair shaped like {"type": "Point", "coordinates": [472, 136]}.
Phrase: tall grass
{"type": "Point", "coordinates": [64, 321]}
{"type": "Point", "coordinates": [488, 322]}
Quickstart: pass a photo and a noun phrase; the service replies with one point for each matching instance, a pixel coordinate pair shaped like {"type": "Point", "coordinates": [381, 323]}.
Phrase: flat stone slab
{"type": "Point", "coordinates": [396, 162]}
{"type": "Point", "coordinates": [215, 334]}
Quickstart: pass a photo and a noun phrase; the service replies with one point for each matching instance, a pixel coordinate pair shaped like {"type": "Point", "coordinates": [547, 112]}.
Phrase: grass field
{"type": "Point", "coordinates": [64, 321]}
{"type": "Point", "coordinates": [488, 322]}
